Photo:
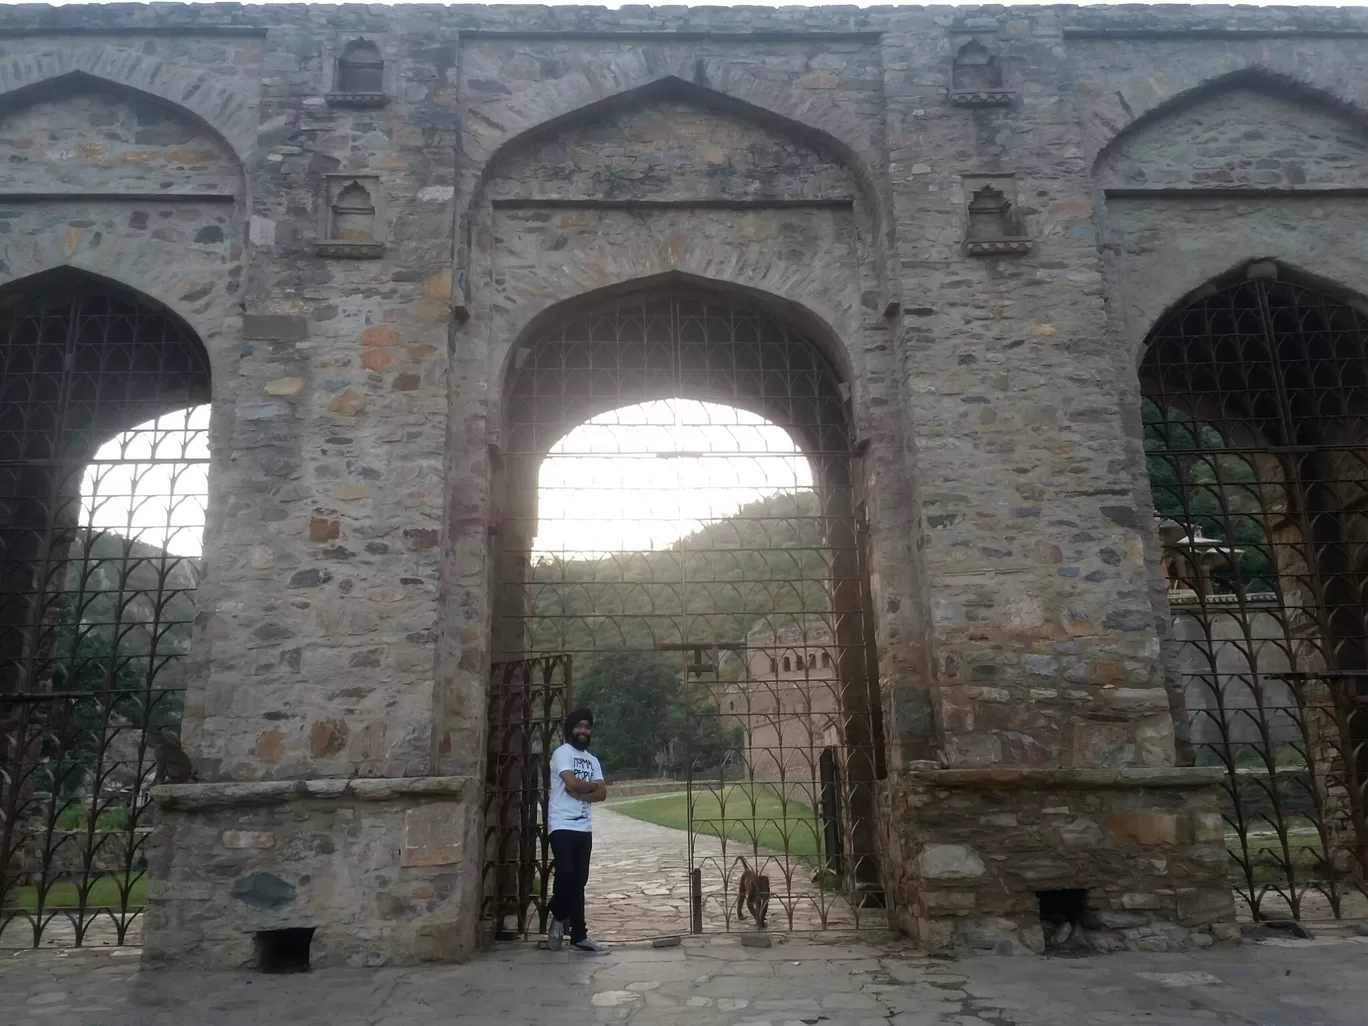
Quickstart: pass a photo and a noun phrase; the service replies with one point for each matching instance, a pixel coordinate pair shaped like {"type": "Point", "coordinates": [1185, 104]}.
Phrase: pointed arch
{"type": "Point", "coordinates": [782, 305]}
{"type": "Point", "coordinates": [216, 105]}
{"type": "Point", "coordinates": [1211, 279]}
{"type": "Point", "coordinates": [814, 123]}
{"type": "Point", "coordinates": [1140, 113]}
{"type": "Point", "coordinates": [196, 293]}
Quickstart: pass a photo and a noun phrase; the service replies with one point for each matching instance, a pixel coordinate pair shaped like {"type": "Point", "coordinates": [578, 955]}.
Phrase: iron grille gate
{"type": "Point", "coordinates": [1256, 433]}
{"type": "Point", "coordinates": [677, 510]}
{"type": "Point", "coordinates": [103, 461]}
{"type": "Point", "coordinates": [528, 703]}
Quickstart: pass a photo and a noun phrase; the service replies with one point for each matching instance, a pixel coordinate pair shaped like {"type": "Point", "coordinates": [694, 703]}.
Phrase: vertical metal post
{"type": "Point", "coordinates": [696, 901]}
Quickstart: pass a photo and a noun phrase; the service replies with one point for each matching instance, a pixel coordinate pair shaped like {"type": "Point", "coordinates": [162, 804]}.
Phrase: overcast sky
{"type": "Point", "coordinates": [642, 476]}
{"type": "Point", "coordinates": [635, 478]}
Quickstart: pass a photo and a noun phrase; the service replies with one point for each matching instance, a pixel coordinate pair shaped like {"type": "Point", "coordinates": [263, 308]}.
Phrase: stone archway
{"type": "Point", "coordinates": [790, 568]}
{"type": "Point", "coordinates": [1255, 420]}
{"type": "Point", "coordinates": [103, 487]}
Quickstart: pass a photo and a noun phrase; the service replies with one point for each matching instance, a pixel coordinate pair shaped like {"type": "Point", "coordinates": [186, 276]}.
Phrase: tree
{"type": "Point", "coordinates": [644, 724]}
{"type": "Point", "coordinates": [1197, 481]}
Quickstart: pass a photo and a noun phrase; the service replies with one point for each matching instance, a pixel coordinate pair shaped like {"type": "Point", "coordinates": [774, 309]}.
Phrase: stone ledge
{"type": "Point", "coordinates": [188, 797]}
{"type": "Point", "coordinates": [1042, 779]}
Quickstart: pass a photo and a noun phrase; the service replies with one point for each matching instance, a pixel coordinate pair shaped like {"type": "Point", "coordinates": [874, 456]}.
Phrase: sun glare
{"type": "Point", "coordinates": [642, 477]}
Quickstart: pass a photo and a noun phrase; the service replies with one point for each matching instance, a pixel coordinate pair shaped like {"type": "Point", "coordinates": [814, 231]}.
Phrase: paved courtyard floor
{"type": "Point", "coordinates": [715, 982]}
{"type": "Point", "coordinates": [639, 885]}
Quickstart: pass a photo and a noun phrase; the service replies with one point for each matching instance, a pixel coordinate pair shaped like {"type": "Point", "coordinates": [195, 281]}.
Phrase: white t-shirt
{"type": "Point", "coordinates": [565, 811]}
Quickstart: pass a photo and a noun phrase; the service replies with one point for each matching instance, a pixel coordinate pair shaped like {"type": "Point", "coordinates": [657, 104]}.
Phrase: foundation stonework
{"type": "Point", "coordinates": [364, 269]}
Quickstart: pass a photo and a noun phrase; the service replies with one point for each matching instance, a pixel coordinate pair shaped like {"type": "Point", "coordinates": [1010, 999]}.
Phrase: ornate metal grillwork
{"type": "Point", "coordinates": [1255, 415]}
{"type": "Point", "coordinates": [692, 540]}
{"type": "Point", "coordinates": [103, 460]}
{"type": "Point", "coordinates": [528, 703]}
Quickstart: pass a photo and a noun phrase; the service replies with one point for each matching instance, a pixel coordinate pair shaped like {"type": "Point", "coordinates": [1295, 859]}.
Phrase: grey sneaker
{"type": "Point", "coordinates": [555, 933]}
{"type": "Point", "coordinates": [590, 947]}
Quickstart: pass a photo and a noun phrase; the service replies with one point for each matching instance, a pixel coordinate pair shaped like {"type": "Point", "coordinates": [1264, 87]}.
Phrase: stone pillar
{"type": "Point", "coordinates": [312, 723]}
{"type": "Point", "coordinates": [1054, 765]}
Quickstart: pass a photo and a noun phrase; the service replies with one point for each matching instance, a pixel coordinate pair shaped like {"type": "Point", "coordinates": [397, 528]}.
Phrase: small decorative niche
{"type": "Point", "coordinates": [359, 80]}
{"type": "Point", "coordinates": [976, 78]}
{"type": "Point", "coordinates": [284, 951]}
{"type": "Point", "coordinates": [352, 228]}
{"type": "Point", "coordinates": [993, 225]}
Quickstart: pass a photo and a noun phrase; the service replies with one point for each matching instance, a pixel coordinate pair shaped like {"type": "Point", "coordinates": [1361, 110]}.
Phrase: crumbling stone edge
{"type": "Point", "coordinates": [228, 794]}
{"type": "Point", "coordinates": [1036, 778]}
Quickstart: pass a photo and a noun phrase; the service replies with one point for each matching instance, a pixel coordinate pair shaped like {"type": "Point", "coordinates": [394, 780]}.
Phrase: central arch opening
{"type": "Point", "coordinates": [677, 522]}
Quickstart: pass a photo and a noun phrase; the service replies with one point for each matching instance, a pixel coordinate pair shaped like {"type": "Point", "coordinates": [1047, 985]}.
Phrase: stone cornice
{"type": "Point", "coordinates": [1074, 22]}
{"type": "Point", "coordinates": [990, 778]}
{"type": "Point", "coordinates": [231, 794]}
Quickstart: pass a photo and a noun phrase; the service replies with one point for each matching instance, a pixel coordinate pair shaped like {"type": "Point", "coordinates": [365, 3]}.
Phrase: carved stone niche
{"type": "Point", "coordinates": [976, 78]}
{"type": "Point", "coordinates": [993, 225]}
{"type": "Point", "coordinates": [359, 76]}
{"type": "Point", "coordinates": [352, 219]}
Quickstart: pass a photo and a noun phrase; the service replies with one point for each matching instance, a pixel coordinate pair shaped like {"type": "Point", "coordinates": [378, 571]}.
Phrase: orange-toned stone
{"type": "Point", "coordinates": [438, 286]}
{"type": "Point", "coordinates": [186, 155]}
{"type": "Point", "coordinates": [270, 745]}
{"type": "Point", "coordinates": [379, 335]}
{"type": "Point", "coordinates": [1145, 827]}
{"type": "Point", "coordinates": [1075, 206]}
{"type": "Point", "coordinates": [321, 529]}
{"type": "Point", "coordinates": [376, 359]}
{"type": "Point", "coordinates": [347, 403]}
{"type": "Point", "coordinates": [328, 737]}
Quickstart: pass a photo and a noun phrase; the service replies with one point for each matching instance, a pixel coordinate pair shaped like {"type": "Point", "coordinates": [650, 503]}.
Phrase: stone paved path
{"type": "Point", "coordinates": [639, 885]}
{"type": "Point", "coordinates": [715, 982]}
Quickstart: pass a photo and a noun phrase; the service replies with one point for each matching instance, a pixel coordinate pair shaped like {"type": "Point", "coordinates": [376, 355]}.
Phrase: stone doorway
{"type": "Point", "coordinates": [678, 512]}
{"type": "Point", "coordinates": [1256, 426]}
{"type": "Point", "coordinates": [103, 487]}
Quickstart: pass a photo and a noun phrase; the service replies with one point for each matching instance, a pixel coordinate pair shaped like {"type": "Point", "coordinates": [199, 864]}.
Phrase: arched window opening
{"type": "Point", "coordinates": [360, 69]}
{"type": "Point", "coordinates": [826, 660]}
{"type": "Point", "coordinates": [674, 483]}
{"type": "Point", "coordinates": [353, 213]}
{"type": "Point", "coordinates": [103, 484]}
{"type": "Point", "coordinates": [976, 68]}
{"type": "Point", "coordinates": [976, 78]}
{"type": "Point", "coordinates": [1255, 417]}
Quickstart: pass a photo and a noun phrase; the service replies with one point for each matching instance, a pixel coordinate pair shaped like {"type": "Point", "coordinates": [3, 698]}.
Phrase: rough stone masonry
{"type": "Point", "coordinates": [363, 211]}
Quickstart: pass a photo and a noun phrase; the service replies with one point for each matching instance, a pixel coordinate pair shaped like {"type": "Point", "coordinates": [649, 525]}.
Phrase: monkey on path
{"type": "Point", "coordinates": [754, 894]}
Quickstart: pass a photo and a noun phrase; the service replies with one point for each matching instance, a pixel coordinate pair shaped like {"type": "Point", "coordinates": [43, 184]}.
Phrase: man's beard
{"type": "Point", "coordinates": [581, 743]}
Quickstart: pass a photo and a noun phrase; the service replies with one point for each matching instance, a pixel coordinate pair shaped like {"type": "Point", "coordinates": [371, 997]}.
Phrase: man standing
{"type": "Point", "coordinates": [576, 783]}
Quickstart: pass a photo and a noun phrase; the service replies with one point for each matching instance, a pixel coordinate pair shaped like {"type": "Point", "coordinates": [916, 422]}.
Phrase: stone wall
{"type": "Point", "coordinates": [376, 868]}
{"type": "Point", "coordinates": [1147, 847]}
{"type": "Point", "coordinates": [524, 158]}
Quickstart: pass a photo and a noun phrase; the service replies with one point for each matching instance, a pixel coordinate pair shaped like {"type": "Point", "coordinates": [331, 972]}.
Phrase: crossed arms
{"type": "Point", "coordinates": [584, 790]}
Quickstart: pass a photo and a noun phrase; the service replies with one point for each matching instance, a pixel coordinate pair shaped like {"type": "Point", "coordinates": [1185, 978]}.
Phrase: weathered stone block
{"type": "Point", "coordinates": [277, 327]}
{"type": "Point", "coordinates": [949, 862]}
{"type": "Point", "coordinates": [1145, 827]}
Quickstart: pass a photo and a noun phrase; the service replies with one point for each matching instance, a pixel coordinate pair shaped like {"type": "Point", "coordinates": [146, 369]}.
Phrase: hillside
{"type": "Point", "coordinates": [133, 601]}
{"type": "Point", "coordinates": [765, 562]}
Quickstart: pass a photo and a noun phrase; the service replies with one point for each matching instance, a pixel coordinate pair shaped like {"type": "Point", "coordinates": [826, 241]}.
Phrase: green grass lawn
{"type": "Point", "coordinates": [753, 816]}
{"type": "Point", "coordinates": [104, 893]}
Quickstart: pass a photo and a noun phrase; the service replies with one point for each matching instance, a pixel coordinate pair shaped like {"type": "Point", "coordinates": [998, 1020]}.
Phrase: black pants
{"type": "Point", "coordinates": [571, 849]}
